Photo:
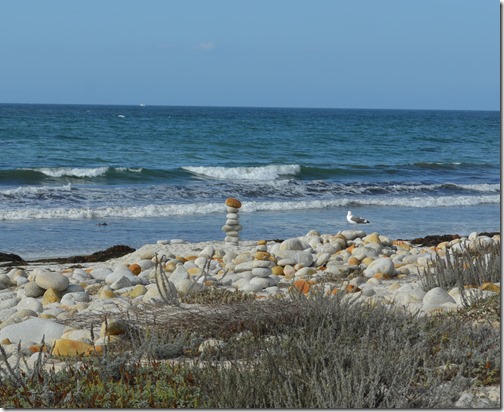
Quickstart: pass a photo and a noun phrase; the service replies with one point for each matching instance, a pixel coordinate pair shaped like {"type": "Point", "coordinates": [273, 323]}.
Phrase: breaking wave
{"type": "Point", "coordinates": [269, 172]}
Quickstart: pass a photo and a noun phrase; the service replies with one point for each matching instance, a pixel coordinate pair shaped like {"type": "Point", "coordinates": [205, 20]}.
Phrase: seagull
{"type": "Point", "coordinates": [355, 219]}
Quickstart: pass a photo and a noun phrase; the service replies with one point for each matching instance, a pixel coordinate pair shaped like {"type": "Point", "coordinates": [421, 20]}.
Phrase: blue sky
{"type": "Point", "coordinates": [428, 54]}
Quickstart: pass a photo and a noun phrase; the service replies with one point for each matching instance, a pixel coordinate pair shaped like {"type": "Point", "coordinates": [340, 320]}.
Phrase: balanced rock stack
{"type": "Point", "coordinates": [232, 226]}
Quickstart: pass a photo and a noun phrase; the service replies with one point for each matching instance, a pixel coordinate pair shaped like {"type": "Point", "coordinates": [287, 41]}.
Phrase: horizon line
{"type": "Point", "coordinates": [247, 107]}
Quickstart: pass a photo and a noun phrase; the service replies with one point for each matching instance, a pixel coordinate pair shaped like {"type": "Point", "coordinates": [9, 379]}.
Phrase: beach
{"type": "Point", "coordinates": [366, 267]}
{"type": "Point", "coordinates": [56, 304]}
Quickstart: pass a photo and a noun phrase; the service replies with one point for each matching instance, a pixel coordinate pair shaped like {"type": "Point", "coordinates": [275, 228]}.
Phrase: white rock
{"type": "Point", "coordinates": [100, 273]}
{"type": "Point", "coordinates": [413, 291]}
{"type": "Point", "coordinates": [262, 282]}
{"type": "Point", "coordinates": [20, 280]}
{"type": "Point", "coordinates": [261, 272]}
{"type": "Point", "coordinates": [146, 264]}
{"type": "Point", "coordinates": [437, 296]}
{"type": "Point", "coordinates": [292, 244]}
{"type": "Point", "coordinates": [7, 313]}
{"type": "Point", "coordinates": [33, 329]}
{"type": "Point", "coordinates": [122, 282]}
{"type": "Point", "coordinates": [31, 304]}
{"type": "Point", "coordinates": [78, 334]}
{"type": "Point", "coordinates": [244, 267]}
{"type": "Point", "coordinates": [46, 279]}
{"type": "Point", "coordinates": [262, 264]}
{"type": "Point", "coordinates": [179, 273]}
{"type": "Point", "coordinates": [119, 272]}
{"type": "Point", "coordinates": [201, 261]}
{"type": "Point", "coordinates": [322, 258]}
{"type": "Point", "coordinates": [177, 241]}
{"type": "Point", "coordinates": [381, 265]}
{"type": "Point", "coordinates": [73, 298]}
{"type": "Point", "coordinates": [9, 301]}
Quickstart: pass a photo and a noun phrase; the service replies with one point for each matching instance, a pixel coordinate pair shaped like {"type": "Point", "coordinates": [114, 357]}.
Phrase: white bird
{"type": "Point", "coordinates": [355, 219]}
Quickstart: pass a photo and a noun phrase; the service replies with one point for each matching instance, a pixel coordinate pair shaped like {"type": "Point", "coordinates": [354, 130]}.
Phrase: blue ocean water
{"type": "Point", "coordinates": [154, 172]}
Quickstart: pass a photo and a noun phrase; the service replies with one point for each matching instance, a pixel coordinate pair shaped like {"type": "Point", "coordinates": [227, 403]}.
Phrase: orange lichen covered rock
{"type": "Point", "coordinates": [232, 202]}
{"type": "Point", "coordinates": [303, 286]}
{"type": "Point", "coordinates": [352, 289]}
{"type": "Point", "coordinates": [382, 276]}
{"type": "Point", "coordinates": [353, 261]}
{"type": "Point", "coordinates": [135, 269]}
{"type": "Point", "coordinates": [37, 348]}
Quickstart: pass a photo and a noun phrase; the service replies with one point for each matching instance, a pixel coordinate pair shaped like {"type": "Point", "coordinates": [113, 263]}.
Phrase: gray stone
{"type": "Point", "coordinates": [32, 290]}
{"type": "Point", "coordinates": [5, 281]}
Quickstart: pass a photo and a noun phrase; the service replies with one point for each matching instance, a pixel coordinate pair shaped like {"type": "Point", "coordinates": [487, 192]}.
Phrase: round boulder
{"type": "Point", "coordinates": [46, 280]}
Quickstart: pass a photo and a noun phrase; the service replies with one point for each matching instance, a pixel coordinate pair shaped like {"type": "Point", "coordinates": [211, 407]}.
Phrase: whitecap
{"type": "Point", "coordinates": [264, 173]}
{"type": "Point", "coordinates": [72, 171]}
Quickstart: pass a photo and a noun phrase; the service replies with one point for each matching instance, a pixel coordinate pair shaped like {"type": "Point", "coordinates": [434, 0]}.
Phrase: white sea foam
{"type": "Point", "coordinates": [165, 210]}
{"type": "Point", "coordinates": [72, 171]}
{"type": "Point", "coordinates": [128, 169]}
{"type": "Point", "coordinates": [269, 172]}
{"type": "Point", "coordinates": [35, 190]}
{"type": "Point", "coordinates": [485, 187]}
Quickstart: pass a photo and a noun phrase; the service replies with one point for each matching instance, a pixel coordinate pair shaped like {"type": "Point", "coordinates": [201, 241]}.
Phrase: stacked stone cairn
{"type": "Point", "coordinates": [232, 226]}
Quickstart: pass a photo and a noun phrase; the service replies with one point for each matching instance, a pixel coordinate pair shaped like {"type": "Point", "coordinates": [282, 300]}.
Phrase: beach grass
{"type": "Point", "coordinates": [296, 352]}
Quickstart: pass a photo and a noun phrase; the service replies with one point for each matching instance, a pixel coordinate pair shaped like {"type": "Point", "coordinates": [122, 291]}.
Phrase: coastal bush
{"type": "Point", "coordinates": [335, 355]}
{"type": "Point", "coordinates": [302, 352]}
{"type": "Point", "coordinates": [467, 267]}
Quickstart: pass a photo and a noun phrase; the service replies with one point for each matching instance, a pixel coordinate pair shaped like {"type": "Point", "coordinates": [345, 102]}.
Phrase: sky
{"type": "Point", "coordinates": [396, 54]}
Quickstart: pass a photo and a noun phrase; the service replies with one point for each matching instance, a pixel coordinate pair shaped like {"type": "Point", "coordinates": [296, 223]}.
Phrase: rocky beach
{"type": "Point", "coordinates": [58, 301]}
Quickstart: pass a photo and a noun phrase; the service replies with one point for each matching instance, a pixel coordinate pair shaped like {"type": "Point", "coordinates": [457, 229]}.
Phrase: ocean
{"type": "Point", "coordinates": [75, 179]}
